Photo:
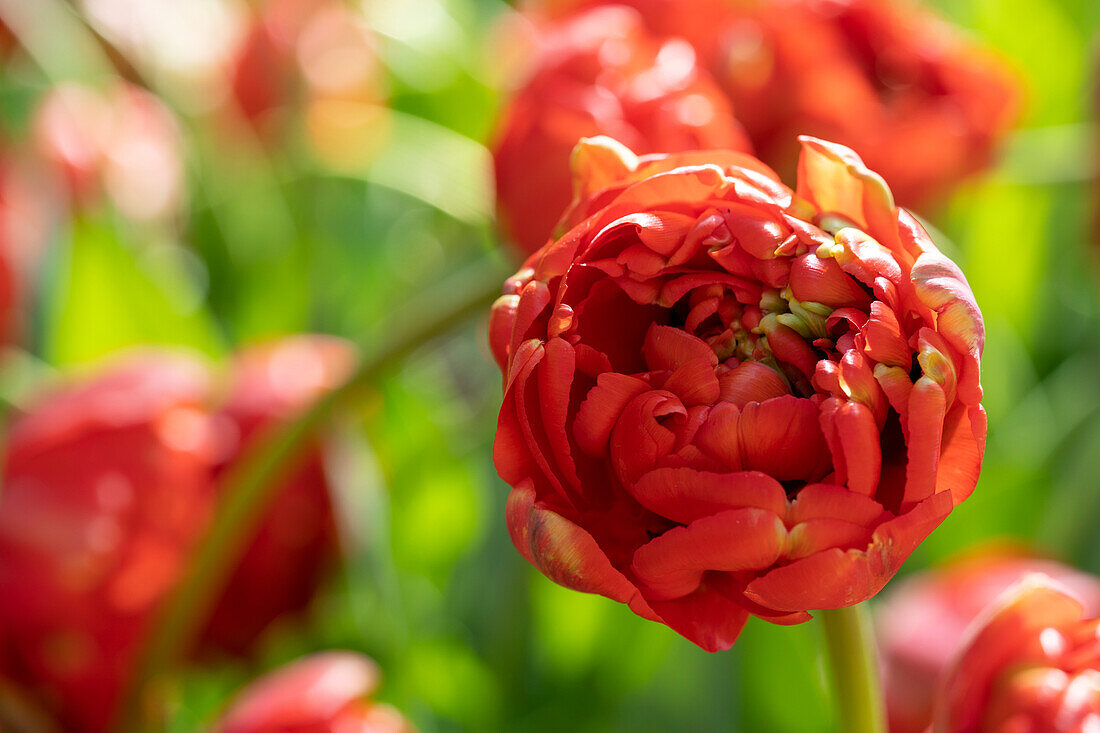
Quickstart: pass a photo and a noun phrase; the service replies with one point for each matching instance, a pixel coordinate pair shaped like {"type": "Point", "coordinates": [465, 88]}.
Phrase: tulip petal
{"type": "Point", "coordinates": [820, 501]}
{"type": "Point", "coordinates": [751, 381]}
{"type": "Point", "coordinates": [694, 382]}
{"type": "Point", "coordinates": [859, 440]}
{"type": "Point", "coordinates": [837, 578]}
{"type": "Point", "coordinates": [927, 405]}
{"type": "Point", "coordinates": [672, 565]}
{"type": "Point", "coordinates": [884, 341]}
{"type": "Point", "coordinates": [555, 381]}
{"type": "Point", "coordinates": [836, 180]}
{"type": "Point", "coordinates": [941, 286]}
{"type": "Point", "coordinates": [962, 448]}
{"type": "Point", "coordinates": [823, 281]}
{"type": "Point", "coordinates": [561, 550]}
{"type": "Point", "coordinates": [705, 617]}
{"type": "Point", "coordinates": [667, 349]}
{"type": "Point", "coordinates": [638, 439]}
{"type": "Point", "coordinates": [782, 438]}
{"type": "Point", "coordinates": [685, 495]}
{"type": "Point", "coordinates": [815, 535]}
{"type": "Point", "coordinates": [718, 437]}
{"type": "Point", "coordinates": [601, 410]}
{"type": "Point", "coordinates": [502, 319]}
{"type": "Point", "coordinates": [999, 637]}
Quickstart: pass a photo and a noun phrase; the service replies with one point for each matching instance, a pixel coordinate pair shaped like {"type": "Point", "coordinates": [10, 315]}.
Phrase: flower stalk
{"type": "Point", "coordinates": [249, 485]}
{"type": "Point", "coordinates": [850, 642]}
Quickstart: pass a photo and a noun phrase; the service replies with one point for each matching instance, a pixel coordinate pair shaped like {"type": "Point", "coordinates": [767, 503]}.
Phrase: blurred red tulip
{"type": "Point", "coordinates": [725, 398]}
{"type": "Point", "coordinates": [297, 539]}
{"type": "Point", "coordinates": [918, 100]}
{"type": "Point", "coordinates": [107, 487]}
{"type": "Point", "coordinates": [1029, 663]}
{"type": "Point", "coordinates": [922, 103]}
{"type": "Point", "coordinates": [599, 73]}
{"type": "Point", "coordinates": [322, 693]}
{"type": "Point", "coordinates": [924, 619]}
{"type": "Point", "coordinates": [317, 58]}
{"type": "Point", "coordinates": [125, 144]}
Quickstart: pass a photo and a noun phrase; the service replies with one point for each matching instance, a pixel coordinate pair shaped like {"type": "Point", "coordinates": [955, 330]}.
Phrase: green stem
{"type": "Point", "coordinates": [248, 486]}
{"type": "Point", "coordinates": [851, 651]}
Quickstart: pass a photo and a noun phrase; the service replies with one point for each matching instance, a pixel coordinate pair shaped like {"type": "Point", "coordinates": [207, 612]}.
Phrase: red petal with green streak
{"type": "Point", "coordinates": [756, 232]}
{"type": "Point", "coordinates": [601, 410]}
{"type": "Point", "coordinates": [790, 347]}
{"type": "Point", "coordinates": [673, 564]}
{"type": "Point", "coordinates": [563, 551]}
{"type": "Point", "coordinates": [1006, 634]}
{"type": "Point", "coordinates": [836, 578]}
{"type": "Point", "coordinates": [782, 438]}
{"type": "Point", "coordinates": [685, 495]}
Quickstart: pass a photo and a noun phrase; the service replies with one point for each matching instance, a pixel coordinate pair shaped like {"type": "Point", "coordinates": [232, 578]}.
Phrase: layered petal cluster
{"type": "Point", "coordinates": [599, 73]}
{"type": "Point", "coordinates": [1030, 662]}
{"type": "Point", "coordinates": [725, 398]}
{"type": "Point", "coordinates": [322, 693]}
{"type": "Point", "coordinates": [921, 102]}
{"type": "Point", "coordinates": [924, 619]}
{"type": "Point", "coordinates": [109, 483]}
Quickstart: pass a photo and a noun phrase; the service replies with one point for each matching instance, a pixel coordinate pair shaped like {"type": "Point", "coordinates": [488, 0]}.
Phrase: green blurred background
{"type": "Point", "coordinates": [275, 239]}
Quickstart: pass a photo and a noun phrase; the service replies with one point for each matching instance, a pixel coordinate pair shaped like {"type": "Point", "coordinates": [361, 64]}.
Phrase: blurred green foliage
{"type": "Point", "coordinates": [469, 636]}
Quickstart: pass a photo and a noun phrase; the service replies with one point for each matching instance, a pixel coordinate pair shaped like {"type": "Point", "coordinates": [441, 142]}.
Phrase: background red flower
{"type": "Point", "coordinates": [322, 693]}
{"type": "Point", "coordinates": [923, 622]}
{"type": "Point", "coordinates": [1030, 662]}
{"type": "Point", "coordinates": [599, 73]}
{"type": "Point", "coordinates": [108, 485]}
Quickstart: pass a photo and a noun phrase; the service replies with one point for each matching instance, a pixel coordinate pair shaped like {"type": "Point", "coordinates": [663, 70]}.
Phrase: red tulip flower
{"type": "Point", "coordinates": [599, 73]}
{"type": "Point", "coordinates": [125, 143]}
{"type": "Point", "coordinates": [107, 487]}
{"type": "Point", "coordinates": [725, 398]}
{"type": "Point", "coordinates": [317, 55]}
{"type": "Point", "coordinates": [296, 541]}
{"type": "Point", "coordinates": [924, 620]}
{"type": "Point", "coordinates": [322, 693]}
{"type": "Point", "coordinates": [1030, 662]}
{"type": "Point", "coordinates": [918, 100]}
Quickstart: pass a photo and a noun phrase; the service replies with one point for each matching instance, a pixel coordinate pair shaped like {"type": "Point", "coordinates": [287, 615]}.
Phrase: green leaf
{"type": "Point", "coordinates": [105, 296]}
